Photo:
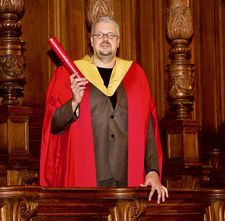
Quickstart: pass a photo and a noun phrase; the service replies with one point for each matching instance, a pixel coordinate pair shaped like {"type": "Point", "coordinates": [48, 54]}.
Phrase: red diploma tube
{"type": "Point", "coordinates": [63, 56]}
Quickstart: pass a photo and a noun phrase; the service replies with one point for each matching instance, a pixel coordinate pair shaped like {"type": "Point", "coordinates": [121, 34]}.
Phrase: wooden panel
{"type": "Point", "coordinates": [35, 34]}
{"type": "Point", "coordinates": [211, 65]}
{"type": "Point", "coordinates": [77, 29]}
{"type": "Point", "coordinates": [128, 24]}
{"type": "Point", "coordinates": [153, 50]}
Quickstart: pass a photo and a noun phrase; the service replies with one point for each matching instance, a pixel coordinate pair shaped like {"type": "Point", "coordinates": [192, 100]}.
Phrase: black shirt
{"type": "Point", "coordinates": [106, 74]}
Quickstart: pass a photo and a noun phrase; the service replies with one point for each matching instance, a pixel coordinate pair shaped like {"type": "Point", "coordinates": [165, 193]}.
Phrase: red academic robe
{"type": "Point", "coordinates": [67, 159]}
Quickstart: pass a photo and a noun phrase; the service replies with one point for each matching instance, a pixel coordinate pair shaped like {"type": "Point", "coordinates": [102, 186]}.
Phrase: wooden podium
{"type": "Point", "coordinates": [20, 203]}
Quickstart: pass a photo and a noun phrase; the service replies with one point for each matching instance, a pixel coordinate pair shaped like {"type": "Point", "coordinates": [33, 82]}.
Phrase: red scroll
{"type": "Point", "coordinates": [63, 56]}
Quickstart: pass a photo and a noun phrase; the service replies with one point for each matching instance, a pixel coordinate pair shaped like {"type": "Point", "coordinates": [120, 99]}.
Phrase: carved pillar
{"type": "Point", "coordinates": [181, 79]}
{"type": "Point", "coordinates": [98, 8]}
{"type": "Point", "coordinates": [14, 118]}
{"type": "Point", "coordinates": [181, 130]}
{"type": "Point", "coordinates": [12, 61]}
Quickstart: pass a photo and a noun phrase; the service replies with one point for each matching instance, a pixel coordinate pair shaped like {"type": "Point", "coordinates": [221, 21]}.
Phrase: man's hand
{"type": "Point", "coordinates": [77, 86]}
{"type": "Point", "coordinates": [152, 179]}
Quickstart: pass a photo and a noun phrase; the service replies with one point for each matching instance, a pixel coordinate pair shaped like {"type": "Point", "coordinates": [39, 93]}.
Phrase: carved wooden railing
{"type": "Point", "coordinates": [183, 168]}
{"type": "Point", "coordinates": [125, 204]}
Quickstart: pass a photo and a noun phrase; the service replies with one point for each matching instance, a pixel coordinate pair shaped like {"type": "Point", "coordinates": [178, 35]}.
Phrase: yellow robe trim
{"type": "Point", "coordinates": [90, 72]}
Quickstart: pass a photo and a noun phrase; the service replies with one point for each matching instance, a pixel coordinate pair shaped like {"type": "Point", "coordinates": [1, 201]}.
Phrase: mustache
{"type": "Point", "coordinates": [105, 42]}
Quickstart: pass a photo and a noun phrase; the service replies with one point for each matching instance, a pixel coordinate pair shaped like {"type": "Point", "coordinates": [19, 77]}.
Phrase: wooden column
{"type": "Point", "coordinates": [181, 77]}
{"type": "Point", "coordinates": [98, 8]}
{"type": "Point", "coordinates": [12, 61]}
{"type": "Point", "coordinates": [14, 123]}
{"type": "Point", "coordinates": [182, 149]}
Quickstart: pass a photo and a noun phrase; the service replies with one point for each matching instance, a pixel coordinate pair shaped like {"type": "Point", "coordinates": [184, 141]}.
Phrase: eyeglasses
{"type": "Point", "coordinates": [109, 35]}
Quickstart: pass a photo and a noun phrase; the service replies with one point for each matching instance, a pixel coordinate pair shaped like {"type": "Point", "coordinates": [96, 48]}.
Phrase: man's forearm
{"type": "Point", "coordinates": [63, 117]}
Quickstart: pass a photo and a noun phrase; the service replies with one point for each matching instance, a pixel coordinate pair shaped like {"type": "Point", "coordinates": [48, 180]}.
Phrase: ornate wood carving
{"type": "Point", "coordinates": [26, 177]}
{"type": "Point", "coordinates": [98, 8]}
{"type": "Point", "coordinates": [12, 61]}
{"type": "Point", "coordinates": [128, 210]}
{"type": "Point", "coordinates": [25, 209]}
{"type": "Point", "coordinates": [216, 211]}
{"type": "Point", "coordinates": [18, 208]}
{"type": "Point", "coordinates": [110, 204]}
{"type": "Point", "coordinates": [181, 82]}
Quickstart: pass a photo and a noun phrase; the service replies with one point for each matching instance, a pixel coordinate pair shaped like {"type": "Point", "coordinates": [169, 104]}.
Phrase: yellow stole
{"type": "Point", "coordinates": [90, 72]}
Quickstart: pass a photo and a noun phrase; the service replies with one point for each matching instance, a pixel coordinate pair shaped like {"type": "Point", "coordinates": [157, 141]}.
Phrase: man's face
{"type": "Point", "coordinates": [105, 46]}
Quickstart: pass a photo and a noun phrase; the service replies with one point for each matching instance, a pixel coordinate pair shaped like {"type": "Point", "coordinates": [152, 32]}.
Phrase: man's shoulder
{"type": "Point", "coordinates": [136, 72]}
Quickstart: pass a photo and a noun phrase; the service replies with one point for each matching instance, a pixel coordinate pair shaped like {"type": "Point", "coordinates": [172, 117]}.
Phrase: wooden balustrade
{"type": "Point", "coordinates": [123, 204]}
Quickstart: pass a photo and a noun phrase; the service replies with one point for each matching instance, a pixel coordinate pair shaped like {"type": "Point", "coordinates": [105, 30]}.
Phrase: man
{"type": "Point", "coordinates": [100, 127]}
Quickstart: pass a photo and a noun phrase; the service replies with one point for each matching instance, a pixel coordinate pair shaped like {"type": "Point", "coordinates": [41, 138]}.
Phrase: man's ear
{"type": "Point", "coordinates": [118, 43]}
{"type": "Point", "coordinates": [91, 39]}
